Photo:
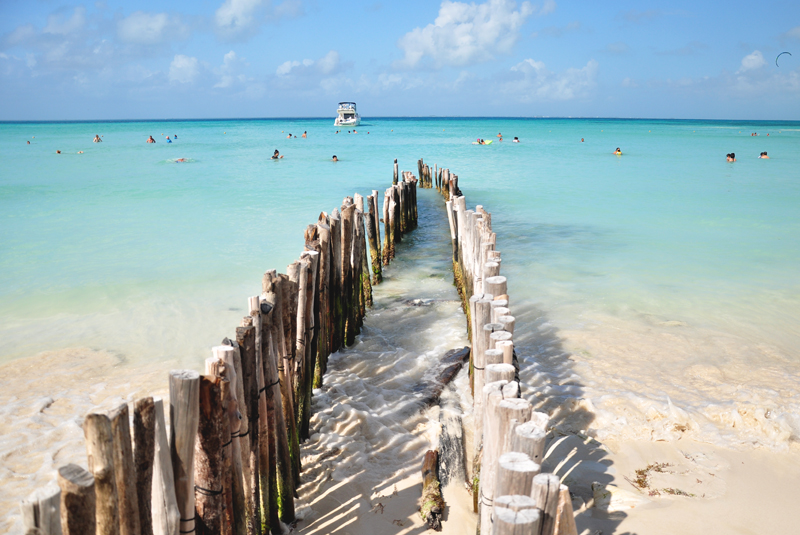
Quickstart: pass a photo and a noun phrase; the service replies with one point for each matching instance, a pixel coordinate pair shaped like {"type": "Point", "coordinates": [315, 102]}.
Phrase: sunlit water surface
{"type": "Point", "coordinates": [656, 293]}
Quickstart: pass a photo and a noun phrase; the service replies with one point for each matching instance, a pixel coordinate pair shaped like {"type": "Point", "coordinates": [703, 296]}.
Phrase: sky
{"type": "Point", "coordinates": [110, 60]}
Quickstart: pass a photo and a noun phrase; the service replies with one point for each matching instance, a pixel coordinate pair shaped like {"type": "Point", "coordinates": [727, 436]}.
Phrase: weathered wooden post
{"type": "Point", "coordinates": [41, 511]}
{"type": "Point", "coordinates": [323, 287]}
{"type": "Point", "coordinates": [373, 233]}
{"type": "Point", "coordinates": [394, 178]}
{"type": "Point", "coordinates": [144, 440]}
{"type": "Point", "coordinates": [546, 489]}
{"type": "Point", "coordinates": [283, 455]}
{"type": "Point", "coordinates": [498, 372]}
{"type": "Point", "coordinates": [389, 205]}
{"type": "Point", "coordinates": [565, 517]}
{"type": "Point", "coordinates": [510, 522]}
{"type": "Point", "coordinates": [336, 280]}
{"type": "Point", "coordinates": [266, 442]}
{"type": "Point", "coordinates": [208, 473]}
{"type": "Point", "coordinates": [348, 221]}
{"type": "Point", "coordinates": [184, 412]}
{"type": "Point", "coordinates": [507, 347]}
{"type": "Point", "coordinates": [164, 503]}
{"type": "Point", "coordinates": [515, 473]}
{"type": "Point", "coordinates": [361, 219]}
{"type": "Point", "coordinates": [77, 501]}
{"type": "Point", "coordinates": [272, 322]}
{"type": "Point", "coordinates": [100, 451]}
{"type": "Point", "coordinates": [499, 414]}
{"type": "Point", "coordinates": [232, 396]}
{"type": "Point", "coordinates": [529, 438]}
{"type": "Point", "coordinates": [515, 502]}
{"type": "Point", "coordinates": [245, 339]}
{"type": "Point", "coordinates": [432, 502]}
{"type": "Point", "coordinates": [124, 472]}
{"type": "Point", "coordinates": [498, 335]}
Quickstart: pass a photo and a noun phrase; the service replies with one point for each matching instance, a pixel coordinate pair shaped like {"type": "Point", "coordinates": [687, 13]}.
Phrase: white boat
{"type": "Point", "coordinates": [347, 115]}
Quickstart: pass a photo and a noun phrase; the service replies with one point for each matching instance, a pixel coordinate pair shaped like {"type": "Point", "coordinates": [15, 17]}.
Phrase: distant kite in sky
{"type": "Point", "coordinates": [779, 55]}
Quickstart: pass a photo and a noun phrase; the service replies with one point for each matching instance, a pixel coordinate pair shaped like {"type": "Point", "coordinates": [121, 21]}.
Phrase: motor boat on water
{"type": "Point", "coordinates": [348, 116]}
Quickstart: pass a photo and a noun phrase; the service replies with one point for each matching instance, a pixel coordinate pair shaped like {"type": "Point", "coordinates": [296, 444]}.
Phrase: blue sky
{"type": "Point", "coordinates": [298, 58]}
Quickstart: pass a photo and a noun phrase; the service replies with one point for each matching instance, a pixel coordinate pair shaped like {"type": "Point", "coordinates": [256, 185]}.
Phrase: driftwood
{"type": "Point", "coordinates": [432, 502]}
{"type": "Point", "coordinates": [449, 366]}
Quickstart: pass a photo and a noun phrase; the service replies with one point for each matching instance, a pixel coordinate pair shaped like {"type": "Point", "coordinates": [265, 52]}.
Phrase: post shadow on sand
{"type": "Point", "coordinates": [548, 380]}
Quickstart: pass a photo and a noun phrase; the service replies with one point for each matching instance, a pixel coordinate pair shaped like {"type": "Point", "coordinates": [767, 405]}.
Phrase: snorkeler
{"type": "Point", "coordinates": [277, 155]}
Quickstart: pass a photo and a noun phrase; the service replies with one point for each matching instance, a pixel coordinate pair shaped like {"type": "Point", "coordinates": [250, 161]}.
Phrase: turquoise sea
{"type": "Point", "coordinates": [659, 289]}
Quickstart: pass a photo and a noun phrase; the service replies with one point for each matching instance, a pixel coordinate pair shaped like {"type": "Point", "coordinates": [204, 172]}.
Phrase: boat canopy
{"type": "Point", "coordinates": [347, 105]}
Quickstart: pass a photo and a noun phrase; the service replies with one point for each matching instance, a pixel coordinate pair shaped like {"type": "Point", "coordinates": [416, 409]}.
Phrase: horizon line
{"type": "Point", "coordinates": [308, 118]}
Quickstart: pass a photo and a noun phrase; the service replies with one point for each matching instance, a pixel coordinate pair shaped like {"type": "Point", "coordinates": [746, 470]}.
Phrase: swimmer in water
{"type": "Point", "coordinates": [169, 140]}
{"type": "Point", "coordinates": [764, 156]}
{"type": "Point", "coordinates": [335, 159]}
{"type": "Point", "coordinates": [151, 140]}
{"type": "Point", "coordinates": [731, 157]}
{"type": "Point", "coordinates": [80, 152]}
{"type": "Point", "coordinates": [500, 135]}
{"type": "Point", "coordinates": [618, 152]}
{"type": "Point", "coordinates": [58, 152]}
{"type": "Point", "coordinates": [175, 136]}
{"type": "Point", "coordinates": [305, 134]}
{"type": "Point", "coordinates": [289, 136]}
{"type": "Point", "coordinates": [277, 155]}
{"type": "Point", "coordinates": [515, 140]}
{"type": "Point", "coordinates": [180, 160]}
{"type": "Point", "coordinates": [581, 140]}
{"type": "Point", "coordinates": [97, 139]}
{"type": "Point", "coordinates": [29, 142]}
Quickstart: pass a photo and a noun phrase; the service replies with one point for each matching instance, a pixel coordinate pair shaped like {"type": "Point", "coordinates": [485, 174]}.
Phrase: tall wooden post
{"type": "Point", "coordinates": [184, 412]}
{"type": "Point", "coordinates": [166, 514]}
{"type": "Point", "coordinates": [124, 472]}
{"type": "Point", "coordinates": [144, 440]}
{"type": "Point", "coordinates": [100, 452]}
{"type": "Point", "coordinates": [41, 511]}
{"type": "Point", "coordinates": [245, 338]}
{"type": "Point", "coordinates": [77, 500]}
{"type": "Point", "coordinates": [209, 491]}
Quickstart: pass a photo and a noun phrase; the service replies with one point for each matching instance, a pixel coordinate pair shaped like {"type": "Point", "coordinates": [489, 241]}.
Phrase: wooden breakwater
{"type": "Point", "coordinates": [229, 463]}
{"type": "Point", "coordinates": [510, 493]}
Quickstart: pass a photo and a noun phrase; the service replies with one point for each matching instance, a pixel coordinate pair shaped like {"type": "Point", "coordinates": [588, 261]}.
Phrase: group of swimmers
{"type": "Point", "coordinates": [732, 156]}
{"type": "Point", "coordinates": [151, 140]}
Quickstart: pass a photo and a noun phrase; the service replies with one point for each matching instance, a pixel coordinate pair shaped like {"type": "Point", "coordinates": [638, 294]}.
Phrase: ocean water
{"type": "Point", "coordinates": [656, 293]}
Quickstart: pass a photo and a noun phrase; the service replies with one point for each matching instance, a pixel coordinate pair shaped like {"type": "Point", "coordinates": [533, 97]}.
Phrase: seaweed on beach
{"type": "Point", "coordinates": [642, 481]}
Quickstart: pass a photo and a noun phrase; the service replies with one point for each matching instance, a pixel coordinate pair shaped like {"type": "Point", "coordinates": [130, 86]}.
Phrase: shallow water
{"type": "Point", "coordinates": [656, 293]}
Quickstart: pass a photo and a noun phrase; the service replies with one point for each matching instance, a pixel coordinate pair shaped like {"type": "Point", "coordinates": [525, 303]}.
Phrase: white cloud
{"type": "Point", "coordinates": [183, 69]}
{"type": "Point", "coordinates": [548, 7]}
{"type": "Point", "coordinates": [326, 65]}
{"type": "Point", "coordinates": [229, 71]}
{"type": "Point", "coordinates": [531, 81]}
{"type": "Point", "coordinates": [752, 61]}
{"type": "Point", "coordinates": [793, 34]}
{"type": "Point", "coordinates": [150, 28]}
{"type": "Point", "coordinates": [463, 33]}
{"type": "Point", "coordinates": [238, 17]}
{"type": "Point", "coordinates": [57, 24]}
